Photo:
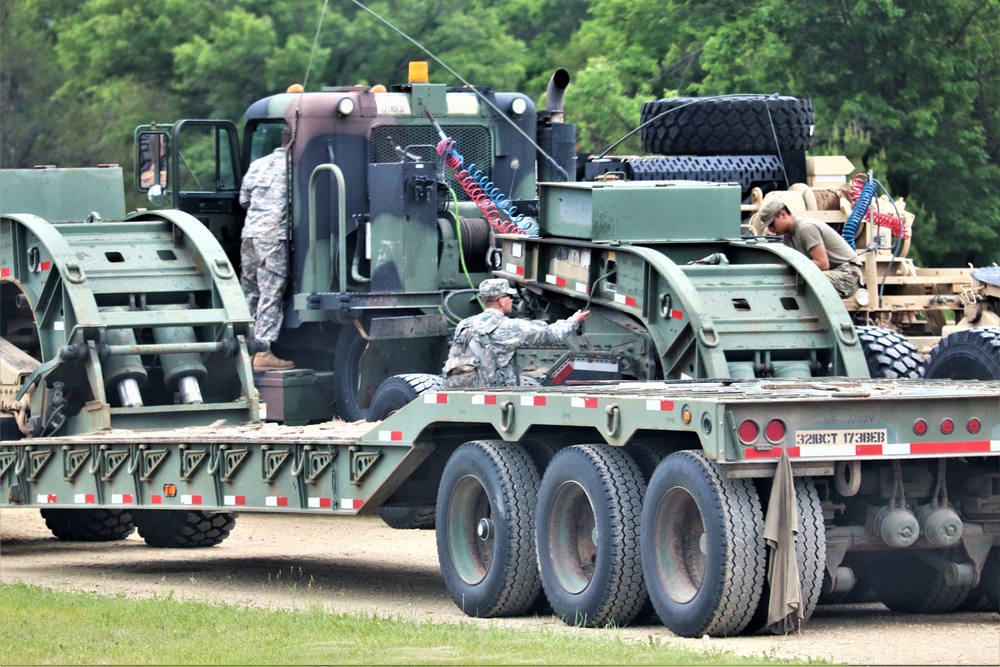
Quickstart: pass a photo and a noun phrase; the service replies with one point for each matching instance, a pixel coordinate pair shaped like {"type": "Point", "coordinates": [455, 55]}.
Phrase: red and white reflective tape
{"type": "Point", "coordinates": [46, 499]}
{"type": "Point", "coordinates": [4, 272]}
{"type": "Point", "coordinates": [351, 503]}
{"type": "Point", "coordinates": [436, 398]}
{"type": "Point", "coordinates": [533, 401]}
{"type": "Point", "coordinates": [562, 373]}
{"type": "Point", "coordinates": [321, 503]}
{"type": "Point", "coordinates": [191, 500]}
{"type": "Point", "coordinates": [583, 288]}
{"type": "Point", "coordinates": [893, 449]}
{"type": "Point", "coordinates": [625, 300]}
{"type": "Point", "coordinates": [390, 436]}
{"type": "Point", "coordinates": [675, 314]}
{"type": "Point", "coordinates": [514, 268]}
{"type": "Point", "coordinates": [555, 280]}
{"type": "Point", "coordinates": [84, 498]}
{"type": "Point", "coordinates": [484, 399]}
{"type": "Point", "coordinates": [122, 499]}
{"type": "Point", "coordinates": [234, 501]}
{"type": "Point", "coordinates": [659, 405]}
{"type": "Point", "coordinates": [583, 402]}
{"type": "Point", "coordinates": [156, 499]}
{"type": "Point", "coordinates": [276, 501]}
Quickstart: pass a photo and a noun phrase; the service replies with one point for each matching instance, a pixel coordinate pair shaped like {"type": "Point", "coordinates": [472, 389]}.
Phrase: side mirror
{"type": "Point", "coordinates": [152, 165]}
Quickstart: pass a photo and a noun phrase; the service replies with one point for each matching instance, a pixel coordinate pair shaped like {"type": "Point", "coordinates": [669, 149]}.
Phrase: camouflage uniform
{"type": "Point", "coordinates": [264, 250]}
{"type": "Point", "coordinates": [483, 353]}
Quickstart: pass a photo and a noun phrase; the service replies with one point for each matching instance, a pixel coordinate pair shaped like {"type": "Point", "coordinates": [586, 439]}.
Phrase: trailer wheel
{"type": "Point", "coordinates": [909, 585]}
{"type": "Point", "coordinates": [347, 373]}
{"type": "Point", "coordinates": [408, 518]}
{"type": "Point", "coordinates": [810, 555]}
{"type": "Point", "coordinates": [89, 525]}
{"type": "Point", "coordinates": [485, 538]}
{"type": "Point", "coordinates": [589, 506]}
{"type": "Point", "coordinates": [889, 355]}
{"type": "Point", "coordinates": [970, 354]}
{"type": "Point", "coordinates": [730, 126]}
{"type": "Point", "coordinates": [703, 549]}
{"type": "Point", "coordinates": [183, 529]}
{"type": "Point", "coordinates": [399, 391]}
{"type": "Point", "coordinates": [986, 595]}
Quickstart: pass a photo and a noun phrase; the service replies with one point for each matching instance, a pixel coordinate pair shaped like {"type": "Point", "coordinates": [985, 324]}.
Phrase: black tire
{"type": "Point", "coordinates": [889, 354]}
{"type": "Point", "coordinates": [810, 555]}
{"type": "Point", "coordinates": [399, 391]}
{"type": "Point", "coordinates": [393, 394]}
{"type": "Point", "coordinates": [909, 585]}
{"type": "Point", "coordinates": [970, 354]}
{"type": "Point", "coordinates": [347, 373]}
{"type": "Point", "coordinates": [730, 126]}
{"type": "Point", "coordinates": [408, 518]}
{"type": "Point", "coordinates": [703, 548]}
{"type": "Point", "coordinates": [89, 525]}
{"type": "Point", "coordinates": [588, 491]}
{"type": "Point", "coordinates": [647, 457]}
{"type": "Point", "coordinates": [184, 529]}
{"type": "Point", "coordinates": [486, 535]}
{"type": "Point", "coordinates": [986, 595]}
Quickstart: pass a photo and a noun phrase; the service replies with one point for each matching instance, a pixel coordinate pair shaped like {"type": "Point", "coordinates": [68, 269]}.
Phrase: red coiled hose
{"type": "Point", "coordinates": [446, 149]}
{"type": "Point", "coordinates": [890, 222]}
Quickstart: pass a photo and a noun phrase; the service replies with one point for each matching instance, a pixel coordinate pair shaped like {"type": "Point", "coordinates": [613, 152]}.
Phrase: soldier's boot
{"type": "Point", "coordinates": [266, 361]}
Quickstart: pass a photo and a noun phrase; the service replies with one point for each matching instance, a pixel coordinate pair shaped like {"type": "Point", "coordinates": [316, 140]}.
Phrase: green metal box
{"type": "Point", "coordinates": [295, 397]}
{"type": "Point", "coordinates": [640, 211]}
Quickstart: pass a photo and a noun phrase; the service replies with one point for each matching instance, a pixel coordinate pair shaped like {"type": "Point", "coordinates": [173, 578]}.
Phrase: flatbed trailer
{"type": "Point", "coordinates": [602, 496]}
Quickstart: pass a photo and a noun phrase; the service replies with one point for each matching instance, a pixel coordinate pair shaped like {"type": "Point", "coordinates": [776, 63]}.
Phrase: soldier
{"type": "Point", "coordinates": [483, 353]}
{"type": "Point", "coordinates": [264, 249]}
{"type": "Point", "coordinates": [819, 242]}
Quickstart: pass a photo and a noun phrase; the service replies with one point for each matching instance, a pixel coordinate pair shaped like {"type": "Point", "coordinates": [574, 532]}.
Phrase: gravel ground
{"type": "Point", "coordinates": [359, 564]}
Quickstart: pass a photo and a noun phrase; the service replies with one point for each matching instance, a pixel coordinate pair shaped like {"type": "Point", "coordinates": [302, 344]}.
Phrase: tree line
{"type": "Point", "coordinates": [907, 88]}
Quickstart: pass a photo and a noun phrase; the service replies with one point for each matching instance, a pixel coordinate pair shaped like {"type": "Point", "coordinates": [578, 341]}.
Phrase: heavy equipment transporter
{"type": "Point", "coordinates": [129, 398]}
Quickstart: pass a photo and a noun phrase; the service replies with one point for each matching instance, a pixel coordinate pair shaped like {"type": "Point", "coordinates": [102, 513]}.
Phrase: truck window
{"type": "Point", "coordinates": [265, 137]}
{"type": "Point", "coordinates": [205, 162]}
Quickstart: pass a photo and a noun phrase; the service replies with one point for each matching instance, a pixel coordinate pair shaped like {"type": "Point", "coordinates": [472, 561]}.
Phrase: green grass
{"type": "Point", "coordinates": [41, 626]}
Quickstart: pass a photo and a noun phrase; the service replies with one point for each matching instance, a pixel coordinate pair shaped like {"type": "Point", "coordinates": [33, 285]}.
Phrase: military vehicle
{"type": "Point", "coordinates": [129, 398]}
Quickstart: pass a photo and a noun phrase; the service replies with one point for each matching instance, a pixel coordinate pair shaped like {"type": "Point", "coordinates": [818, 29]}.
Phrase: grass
{"type": "Point", "coordinates": [41, 626]}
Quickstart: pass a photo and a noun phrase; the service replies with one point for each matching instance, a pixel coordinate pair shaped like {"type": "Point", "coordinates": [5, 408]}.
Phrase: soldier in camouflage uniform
{"type": "Point", "coordinates": [264, 249]}
{"type": "Point", "coordinates": [819, 242]}
{"type": "Point", "coordinates": [483, 353]}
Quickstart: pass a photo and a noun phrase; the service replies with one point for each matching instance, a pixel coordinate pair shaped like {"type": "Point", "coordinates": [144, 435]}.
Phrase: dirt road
{"type": "Point", "coordinates": [362, 565]}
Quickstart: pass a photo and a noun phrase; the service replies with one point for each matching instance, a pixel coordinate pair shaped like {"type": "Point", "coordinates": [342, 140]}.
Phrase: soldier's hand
{"type": "Point", "coordinates": [580, 316]}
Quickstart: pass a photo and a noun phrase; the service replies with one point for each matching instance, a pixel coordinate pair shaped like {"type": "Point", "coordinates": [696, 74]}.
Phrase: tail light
{"type": "Point", "coordinates": [774, 431]}
{"type": "Point", "coordinates": [748, 431]}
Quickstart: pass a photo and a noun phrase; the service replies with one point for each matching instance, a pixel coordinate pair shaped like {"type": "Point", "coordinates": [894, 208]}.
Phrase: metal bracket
{"type": "Point", "coordinates": [113, 460]}
{"type": "Point", "coordinates": [6, 461]}
{"type": "Point", "coordinates": [361, 463]}
{"type": "Point", "coordinates": [150, 461]}
{"type": "Point", "coordinates": [73, 460]}
{"type": "Point", "coordinates": [231, 460]}
{"type": "Point", "coordinates": [272, 461]}
{"type": "Point", "coordinates": [190, 460]}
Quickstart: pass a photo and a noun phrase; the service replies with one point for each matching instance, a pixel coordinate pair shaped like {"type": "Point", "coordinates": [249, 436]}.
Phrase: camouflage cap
{"type": "Point", "coordinates": [769, 210]}
{"type": "Point", "coordinates": [495, 288]}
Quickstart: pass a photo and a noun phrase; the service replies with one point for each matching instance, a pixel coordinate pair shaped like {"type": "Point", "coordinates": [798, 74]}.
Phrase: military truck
{"type": "Point", "coordinates": [129, 398]}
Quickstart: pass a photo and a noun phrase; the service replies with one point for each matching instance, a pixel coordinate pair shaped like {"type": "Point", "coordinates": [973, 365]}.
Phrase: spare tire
{"type": "Point", "coordinates": [738, 125]}
{"type": "Point", "coordinates": [399, 391]}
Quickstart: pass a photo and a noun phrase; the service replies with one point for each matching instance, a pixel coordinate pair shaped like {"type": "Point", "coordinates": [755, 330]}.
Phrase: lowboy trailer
{"type": "Point", "coordinates": [599, 497]}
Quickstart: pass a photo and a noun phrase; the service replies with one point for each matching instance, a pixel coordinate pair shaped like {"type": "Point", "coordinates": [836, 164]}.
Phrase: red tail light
{"type": "Point", "coordinates": [774, 431]}
{"type": "Point", "coordinates": [947, 426]}
{"type": "Point", "coordinates": [974, 425]}
{"type": "Point", "coordinates": [748, 431]}
{"type": "Point", "coordinates": [920, 427]}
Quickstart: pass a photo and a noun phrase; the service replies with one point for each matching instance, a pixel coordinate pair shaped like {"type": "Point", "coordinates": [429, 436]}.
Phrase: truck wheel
{"type": "Point", "coordinates": [647, 456]}
{"type": "Point", "coordinates": [810, 555]}
{"type": "Point", "coordinates": [486, 536]}
{"type": "Point", "coordinates": [89, 525]}
{"type": "Point", "coordinates": [909, 585]}
{"type": "Point", "coordinates": [347, 373]}
{"type": "Point", "coordinates": [889, 355]}
{"type": "Point", "coordinates": [589, 505]}
{"type": "Point", "coordinates": [730, 126]}
{"type": "Point", "coordinates": [970, 354]}
{"type": "Point", "coordinates": [184, 529]}
{"type": "Point", "coordinates": [703, 549]}
{"type": "Point", "coordinates": [986, 595]}
{"type": "Point", "coordinates": [407, 518]}
{"type": "Point", "coordinates": [399, 391]}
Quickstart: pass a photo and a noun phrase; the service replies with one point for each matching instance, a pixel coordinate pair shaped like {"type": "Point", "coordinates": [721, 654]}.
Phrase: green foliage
{"type": "Point", "coordinates": [39, 626]}
{"type": "Point", "coordinates": [907, 88]}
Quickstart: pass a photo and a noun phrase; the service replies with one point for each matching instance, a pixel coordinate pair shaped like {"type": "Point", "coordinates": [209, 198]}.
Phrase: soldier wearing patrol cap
{"type": "Point", "coordinates": [484, 350]}
{"type": "Point", "coordinates": [817, 241]}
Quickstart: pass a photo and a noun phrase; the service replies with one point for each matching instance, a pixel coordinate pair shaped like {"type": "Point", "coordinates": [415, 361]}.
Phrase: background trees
{"type": "Point", "coordinates": [907, 88]}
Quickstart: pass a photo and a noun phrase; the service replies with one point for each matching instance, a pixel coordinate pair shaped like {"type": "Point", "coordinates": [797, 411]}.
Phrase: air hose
{"type": "Point", "coordinates": [862, 192]}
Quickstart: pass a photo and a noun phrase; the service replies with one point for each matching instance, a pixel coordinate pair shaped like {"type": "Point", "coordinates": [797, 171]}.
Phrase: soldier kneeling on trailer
{"type": "Point", "coordinates": [484, 351]}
